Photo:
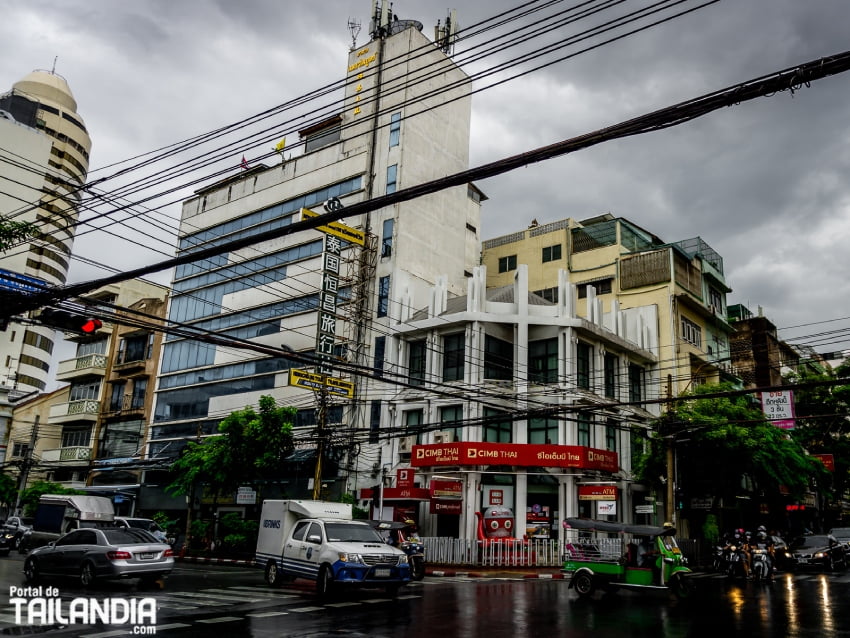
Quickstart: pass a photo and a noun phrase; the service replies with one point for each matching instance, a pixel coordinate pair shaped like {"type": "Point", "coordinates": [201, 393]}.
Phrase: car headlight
{"type": "Point", "coordinates": [10, 536]}
{"type": "Point", "coordinates": [347, 557]}
{"type": "Point", "coordinates": [820, 555]}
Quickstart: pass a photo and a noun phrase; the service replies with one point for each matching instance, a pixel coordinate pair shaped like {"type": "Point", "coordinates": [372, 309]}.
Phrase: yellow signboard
{"type": "Point", "coordinates": [304, 379]}
{"type": "Point", "coordinates": [337, 229]}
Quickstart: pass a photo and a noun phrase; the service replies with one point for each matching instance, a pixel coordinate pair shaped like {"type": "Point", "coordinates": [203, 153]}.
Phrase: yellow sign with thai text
{"type": "Point", "coordinates": [337, 229]}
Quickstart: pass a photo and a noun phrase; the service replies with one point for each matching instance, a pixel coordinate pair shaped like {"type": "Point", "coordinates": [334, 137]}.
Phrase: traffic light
{"type": "Point", "coordinates": [69, 321]}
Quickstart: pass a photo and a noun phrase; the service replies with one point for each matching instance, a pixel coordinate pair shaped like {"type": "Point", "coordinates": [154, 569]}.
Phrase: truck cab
{"type": "Point", "coordinates": [320, 541]}
{"type": "Point", "coordinates": [58, 514]}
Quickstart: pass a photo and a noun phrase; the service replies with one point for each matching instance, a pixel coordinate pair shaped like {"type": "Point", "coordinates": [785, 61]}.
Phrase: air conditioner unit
{"type": "Point", "coordinates": [405, 444]}
{"type": "Point", "coordinates": [444, 436]}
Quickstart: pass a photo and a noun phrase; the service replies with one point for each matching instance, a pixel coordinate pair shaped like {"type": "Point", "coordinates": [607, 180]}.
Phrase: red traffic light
{"type": "Point", "coordinates": [91, 325]}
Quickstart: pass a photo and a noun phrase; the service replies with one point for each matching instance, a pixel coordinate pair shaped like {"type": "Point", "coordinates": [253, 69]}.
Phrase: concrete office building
{"type": "Point", "coordinates": [405, 120]}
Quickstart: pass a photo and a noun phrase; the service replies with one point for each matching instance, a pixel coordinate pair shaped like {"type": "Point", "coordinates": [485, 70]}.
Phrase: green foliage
{"type": "Point", "coordinates": [358, 513]}
{"type": "Point", "coordinates": [723, 439]}
{"type": "Point", "coordinates": [250, 446]}
{"type": "Point", "coordinates": [30, 496]}
{"type": "Point", "coordinates": [8, 490]}
{"type": "Point", "coordinates": [199, 534]}
{"type": "Point", "coordinates": [164, 521]}
{"type": "Point", "coordinates": [13, 232]}
{"type": "Point", "coordinates": [710, 529]}
{"type": "Point", "coordinates": [237, 535]}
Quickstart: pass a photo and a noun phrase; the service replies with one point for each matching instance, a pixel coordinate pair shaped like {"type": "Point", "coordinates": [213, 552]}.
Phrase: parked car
{"type": "Point", "coordinates": [147, 524]}
{"type": "Point", "coordinates": [14, 529]}
{"type": "Point", "coordinates": [841, 534]}
{"type": "Point", "coordinates": [105, 553]}
{"type": "Point", "coordinates": [819, 550]}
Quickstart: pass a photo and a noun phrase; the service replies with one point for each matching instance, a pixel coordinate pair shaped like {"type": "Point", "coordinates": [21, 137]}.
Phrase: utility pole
{"type": "Point", "coordinates": [321, 418]}
{"type": "Point", "coordinates": [190, 503]}
{"type": "Point", "coordinates": [27, 463]}
{"type": "Point", "coordinates": [670, 503]}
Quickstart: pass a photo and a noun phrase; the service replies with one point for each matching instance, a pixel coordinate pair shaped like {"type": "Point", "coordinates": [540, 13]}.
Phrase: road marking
{"type": "Point", "coordinates": [264, 594]}
{"type": "Point", "coordinates": [302, 610]}
{"type": "Point", "coordinates": [174, 625]}
{"type": "Point", "coordinates": [225, 597]}
{"type": "Point", "coordinates": [348, 604]}
{"type": "Point", "coordinates": [268, 614]}
{"type": "Point", "coordinates": [210, 621]}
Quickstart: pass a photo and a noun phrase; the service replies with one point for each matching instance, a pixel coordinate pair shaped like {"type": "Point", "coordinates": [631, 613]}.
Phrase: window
{"type": "Point", "coordinates": [395, 129]}
{"type": "Point", "coordinates": [583, 353]}
{"type": "Point", "coordinates": [543, 361]}
{"type": "Point", "coordinates": [76, 437]}
{"type": "Point", "coordinates": [380, 349]}
{"type": "Point", "coordinates": [585, 423]}
{"type": "Point", "coordinates": [611, 364]}
{"type": "Point", "coordinates": [383, 295]}
{"type": "Point", "coordinates": [91, 347]}
{"type": "Point", "coordinates": [416, 363]}
{"type": "Point", "coordinates": [635, 383]}
{"type": "Point", "coordinates": [500, 429]}
{"type": "Point", "coordinates": [611, 435]}
{"type": "Point", "coordinates": [413, 420]}
{"type": "Point", "coordinates": [691, 332]}
{"type": "Point", "coordinates": [135, 348]}
{"type": "Point", "coordinates": [543, 431]}
{"type": "Point", "coordinates": [116, 397]}
{"type": "Point", "coordinates": [140, 388]}
{"type": "Point", "coordinates": [374, 421]}
{"type": "Point", "coordinates": [453, 357]}
{"type": "Point", "coordinates": [552, 253]}
{"type": "Point", "coordinates": [452, 414]}
{"type": "Point", "coordinates": [602, 287]}
{"type": "Point", "coordinates": [507, 264]}
{"type": "Point", "coordinates": [549, 294]}
{"type": "Point", "coordinates": [21, 449]}
{"type": "Point", "coordinates": [392, 178]}
{"type": "Point", "coordinates": [387, 238]}
{"type": "Point", "coordinates": [322, 137]}
{"type": "Point", "coordinates": [83, 391]}
{"type": "Point", "coordinates": [498, 359]}
{"type": "Point", "coordinates": [715, 301]}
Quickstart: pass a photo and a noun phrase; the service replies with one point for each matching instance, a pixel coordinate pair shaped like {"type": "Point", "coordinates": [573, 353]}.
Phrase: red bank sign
{"type": "Point", "coordinates": [520, 454]}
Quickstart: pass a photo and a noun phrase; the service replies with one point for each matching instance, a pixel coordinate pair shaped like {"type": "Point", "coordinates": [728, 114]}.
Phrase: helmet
{"type": "Point", "coordinates": [762, 528]}
{"type": "Point", "coordinates": [740, 531]}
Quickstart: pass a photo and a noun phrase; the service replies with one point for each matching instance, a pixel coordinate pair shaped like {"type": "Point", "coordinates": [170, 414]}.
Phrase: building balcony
{"type": "Point", "coordinates": [86, 410]}
{"type": "Point", "coordinates": [75, 455]}
{"type": "Point", "coordinates": [90, 365]}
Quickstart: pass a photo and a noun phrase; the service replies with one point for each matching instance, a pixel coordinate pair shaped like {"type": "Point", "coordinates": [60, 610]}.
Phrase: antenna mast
{"type": "Point", "coordinates": [354, 30]}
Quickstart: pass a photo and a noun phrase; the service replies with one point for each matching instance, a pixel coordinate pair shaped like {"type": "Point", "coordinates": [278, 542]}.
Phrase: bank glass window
{"type": "Point", "coordinates": [416, 363]}
{"type": "Point", "coordinates": [543, 431]}
{"type": "Point", "coordinates": [498, 427]}
{"type": "Point", "coordinates": [583, 369]}
{"type": "Point", "coordinates": [543, 361]}
{"type": "Point", "coordinates": [611, 365]}
{"type": "Point", "coordinates": [506, 264]}
{"type": "Point", "coordinates": [612, 432]}
{"type": "Point", "coordinates": [413, 420]}
{"type": "Point", "coordinates": [585, 429]}
{"type": "Point", "coordinates": [451, 414]}
{"type": "Point", "coordinates": [453, 357]}
{"type": "Point", "coordinates": [498, 359]}
{"type": "Point", "coordinates": [635, 383]}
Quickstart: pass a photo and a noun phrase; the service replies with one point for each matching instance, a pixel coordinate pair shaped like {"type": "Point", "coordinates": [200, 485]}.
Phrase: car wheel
{"type": "Point", "coordinates": [830, 564]}
{"type": "Point", "coordinates": [682, 586]}
{"type": "Point", "coordinates": [583, 584]}
{"type": "Point", "coordinates": [31, 570]}
{"type": "Point", "coordinates": [87, 575]}
{"type": "Point", "coordinates": [15, 542]}
{"type": "Point", "coordinates": [325, 582]}
{"type": "Point", "coordinates": [272, 574]}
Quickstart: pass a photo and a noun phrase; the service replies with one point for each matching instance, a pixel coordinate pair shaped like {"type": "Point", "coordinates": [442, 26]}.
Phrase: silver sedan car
{"type": "Point", "coordinates": [107, 553]}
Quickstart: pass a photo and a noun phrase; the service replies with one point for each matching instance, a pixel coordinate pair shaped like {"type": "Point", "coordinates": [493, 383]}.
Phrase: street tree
{"type": "Point", "coordinates": [726, 449]}
{"type": "Point", "coordinates": [250, 446]}
{"type": "Point", "coordinates": [12, 232]}
{"type": "Point", "coordinates": [30, 496]}
{"type": "Point", "coordinates": [8, 491]}
{"type": "Point", "coordinates": [823, 424]}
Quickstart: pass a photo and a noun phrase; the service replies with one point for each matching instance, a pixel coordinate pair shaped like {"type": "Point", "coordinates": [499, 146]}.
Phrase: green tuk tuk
{"type": "Point", "coordinates": [609, 556]}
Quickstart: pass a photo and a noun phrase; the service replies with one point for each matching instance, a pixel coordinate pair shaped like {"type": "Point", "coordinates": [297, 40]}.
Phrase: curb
{"type": "Point", "coordinates": [465, 574]}
{"type": "Point", "coordinates": [216, 561]}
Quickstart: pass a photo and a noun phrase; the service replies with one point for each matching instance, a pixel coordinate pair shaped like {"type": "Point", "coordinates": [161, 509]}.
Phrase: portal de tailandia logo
{"type": "Point", "coordinates": [41, 606]}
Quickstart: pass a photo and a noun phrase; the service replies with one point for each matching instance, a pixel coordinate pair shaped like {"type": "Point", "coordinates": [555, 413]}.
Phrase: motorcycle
{"type": "Point", "coordinates": [734, 560]}
{"type": "Point", "coordinates": [396, 535]}
{"type": "Point", "coordinates": [761, 565]}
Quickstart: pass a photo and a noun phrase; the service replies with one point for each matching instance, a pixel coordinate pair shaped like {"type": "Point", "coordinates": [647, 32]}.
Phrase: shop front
{"type": "Point", "coordinates": [506, 490]}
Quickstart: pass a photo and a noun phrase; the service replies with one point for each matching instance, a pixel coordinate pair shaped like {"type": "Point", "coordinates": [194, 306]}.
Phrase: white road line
{"type": "Point", "coordinates": [268, 614]}
{"type": "Point", "coordinates": [212, 621]}
{"type": "Point", "coordinates": [301, 610]}
{"type": "Point", "coordinates": [348, 604]}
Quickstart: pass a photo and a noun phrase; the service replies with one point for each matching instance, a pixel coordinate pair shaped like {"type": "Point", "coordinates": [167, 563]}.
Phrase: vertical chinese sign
{"type": "Point", "coordinates": [326, 326]}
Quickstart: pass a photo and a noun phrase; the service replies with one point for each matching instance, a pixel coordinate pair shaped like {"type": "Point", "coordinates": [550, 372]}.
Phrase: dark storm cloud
{"type": "Point", "coordinates": [764, 183]}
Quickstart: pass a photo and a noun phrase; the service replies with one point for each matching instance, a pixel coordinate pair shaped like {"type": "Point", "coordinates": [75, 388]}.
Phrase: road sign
{"type": "Point", "coordinates": [644, 509]}
{"type": "Point", "coordinates": [21, 283]}
{"type": "Point", "coordinates": [334, 385]}
{"type": "Point", "coordinates": [337, 229]}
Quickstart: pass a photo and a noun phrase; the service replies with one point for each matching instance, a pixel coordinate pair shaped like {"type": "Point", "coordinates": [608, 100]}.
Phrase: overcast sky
{"type": "Point", "coordinates": [763, 183]}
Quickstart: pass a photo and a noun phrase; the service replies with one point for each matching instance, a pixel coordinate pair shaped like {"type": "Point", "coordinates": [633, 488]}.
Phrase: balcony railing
{"type": "Point", "coordinates": [84, 410]}
{"type": "Point", "coordinates": [72, 453]}
{"type": "Point", "coordinates": [88, 365]}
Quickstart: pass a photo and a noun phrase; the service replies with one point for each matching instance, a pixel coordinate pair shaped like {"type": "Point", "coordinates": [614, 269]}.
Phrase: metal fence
{"type": "Point", "coordinates": [534, 552]}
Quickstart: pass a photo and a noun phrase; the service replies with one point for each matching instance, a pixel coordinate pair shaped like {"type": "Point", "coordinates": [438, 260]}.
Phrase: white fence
{"type": "Point", "coordinates": [502, 553]}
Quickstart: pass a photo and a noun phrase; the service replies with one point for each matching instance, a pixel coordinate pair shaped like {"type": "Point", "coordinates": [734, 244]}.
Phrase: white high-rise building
{"type": "Point", "coordinates": [405, 121]}
{"type": "Point", "coordinates": [44, 158]}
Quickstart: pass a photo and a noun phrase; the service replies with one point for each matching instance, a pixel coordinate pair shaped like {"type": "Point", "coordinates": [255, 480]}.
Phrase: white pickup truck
{"type": "Point", "coordinates": [319, 541]}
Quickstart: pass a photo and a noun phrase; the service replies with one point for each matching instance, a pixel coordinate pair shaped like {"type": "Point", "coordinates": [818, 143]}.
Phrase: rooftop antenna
{"type": "Point", "coordinates": [53, 70]}
{"type": "Point", "coordinates": [445, 36]}
{"type": "Point", "coordinates": [354, 29]}
{"type": "Point", "coordinates": [378, 27]}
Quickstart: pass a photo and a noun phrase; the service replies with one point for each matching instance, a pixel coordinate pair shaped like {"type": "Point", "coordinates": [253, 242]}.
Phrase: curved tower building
{"type": "Point", "coordinates": [44, 159]}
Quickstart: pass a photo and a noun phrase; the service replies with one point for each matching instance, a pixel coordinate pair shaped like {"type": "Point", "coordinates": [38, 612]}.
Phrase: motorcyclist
{"type": "Point", "coordinates": [739, 542]}
{"type": "Point", "coordinates": [763, 541]}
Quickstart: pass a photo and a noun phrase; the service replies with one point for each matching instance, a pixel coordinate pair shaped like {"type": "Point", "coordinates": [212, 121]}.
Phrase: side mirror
{"type": "Point", "coordinates": [315, 539]}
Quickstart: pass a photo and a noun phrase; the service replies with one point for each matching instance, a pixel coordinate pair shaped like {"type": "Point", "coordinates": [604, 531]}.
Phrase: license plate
{"type": "Point", "coordinates": [382, 572]}
{"type": "Point", "coordinates": [147, 555]}
{"type": "Point", "coordinates": [802, 560]}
